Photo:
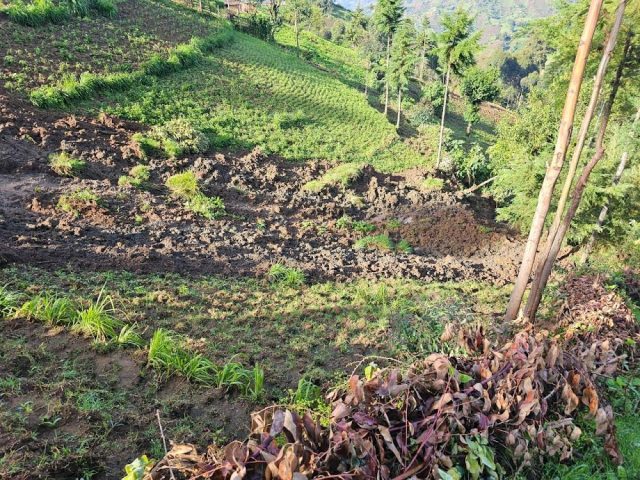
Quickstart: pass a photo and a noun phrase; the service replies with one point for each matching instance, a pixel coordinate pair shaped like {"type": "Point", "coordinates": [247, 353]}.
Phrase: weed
{"type": "Point", "coordinates": [97, 320]}
{"type": "Point", "coordinates": [50, 309]}
{"type": "Point", "coordinates": [394, 224]}
{"type": "Point", "coordinates": [78, 200]}
{"type": "Point", "coordinates": [138, 177]}
{"type": "Point", "coordinates": [183, 185]}
{"type": "Point", "coordinates": [346, 222]}
{"type": "Point", "coordinates": [178, 137]}
{"type": "Point", "coordinates": [129, 336]}
{"type": "Point", "coordinates": [65, 165]}
{"type": "Point", "coordinates": [341, 175]}
{"type": "Point", "coordinates": [9, 302]}
{"type": "Point", "coordinates": [379, 242]}
{"type": "Point", "coordinates": [283, 275]}
{"type": "Point", "coordinates": [232, 374]}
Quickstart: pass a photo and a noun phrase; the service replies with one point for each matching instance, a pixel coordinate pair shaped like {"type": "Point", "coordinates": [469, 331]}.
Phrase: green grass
{"type": "Point", "coordinates": [65, 165]}
{"type": "Point", "coordinates": [241, 94]}
{"type": "Point", "coordinates": [98, 320]}
{"type": "Point", "coordinates": [50, 309]}
{"type": "Point", "coordinates": [137, 178]}
{"type": "Point", "coordinates": [185, 186]}
{"type": "Point", "coordinates": [378, 242]}
{"type": "Point", "coordinates": [341, 175]}
{"type": "Point", "coordinates": [9, 302]}
{"type": "Point", "coordinates": [77, 200]}
{"type": "Point", "coordinates": [37, 13]}
{"type": "Point", "coordinates": [283, 275]}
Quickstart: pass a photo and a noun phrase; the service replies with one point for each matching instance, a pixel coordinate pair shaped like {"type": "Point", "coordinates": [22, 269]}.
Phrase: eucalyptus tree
{"type": "Point", "coordinates": [457, 46]}
{"type": "Point", "coordinates": [425, 42]}
{"type": "Point", "coordinates": [403, 61]}
{"type": "Point", "coordinates": [387, 16]}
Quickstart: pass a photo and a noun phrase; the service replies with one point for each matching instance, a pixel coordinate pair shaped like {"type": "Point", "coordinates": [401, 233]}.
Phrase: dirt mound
{"type": "Point", "coordinates": [270, 217]}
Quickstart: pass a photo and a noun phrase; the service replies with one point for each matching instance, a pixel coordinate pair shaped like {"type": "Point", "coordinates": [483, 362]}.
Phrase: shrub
{"type": "Point", "coordinates": [75, 201]}
{"type": "Point", "coordinates": [179, 136]}
{"type": "Point", "coordinates": [341, 175]}
{"type": "Point", "coordinates": [64, 164]}
{"type": "Point", "coordinates": [283, 275]}
{"type": "Point", "coordinates": [379, 242]}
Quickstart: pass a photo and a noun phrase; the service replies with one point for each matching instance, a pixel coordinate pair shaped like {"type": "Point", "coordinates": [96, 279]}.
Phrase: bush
{"type": "Point", "coordinates": [64, 164]}
{"type": "Point", "coordinates": [179, 136]}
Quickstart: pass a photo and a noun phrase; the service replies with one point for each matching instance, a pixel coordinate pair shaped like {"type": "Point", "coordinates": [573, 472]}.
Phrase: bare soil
{"type": "Point", "coordinates": [270, 217]}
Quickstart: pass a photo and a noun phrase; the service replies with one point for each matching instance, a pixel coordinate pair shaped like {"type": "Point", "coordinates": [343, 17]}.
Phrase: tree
{"type": "Point", "coordinates": [387, 16]}
{"type": "Point", "coordinates": [457, 46]}
{"type": "Point", "coordinates": [555, 166]}
{"type": "Point", "coordinates": [373, 52]}
{"type": "Point", "coordinates": [357, 26]}
{"type": "Point", "coordinates": [326, 6]}
{"type": "Point", "coordinates": [297, 11]}
{"type": "Point", "coordinates": [478, 86]}
{"type": "Point", "coordinates": [425, 42]}
{"type": "Point", "coordinates": [403, 61]}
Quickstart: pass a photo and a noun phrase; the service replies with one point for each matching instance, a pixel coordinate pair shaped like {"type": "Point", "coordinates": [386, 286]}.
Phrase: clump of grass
{"type": "Point", "coordinates": [404, 246]}
{"type": "Point", "coordinates": [285, 120]}
{"type": "Point", "coordinates": [50, 309]}
{"type": "Point", "coordinates": [138, 177]}
{"type": "Point", "coordinates": [98, 320]}
{"type": "Point", "coordinates": [9, 302]}
{"type": "Point", "coordinates": [185, 186]}
{"type": "Point", "coordinates": [255, 388]}
{"type": "Point", "coordinates": [64, 164]}
{"type": "Point", "coordinates": [346, 222]}
{"type": "Point", "coordinates": [179, 137]}
{"type": "Point", "coordinates": [283, 275]}
{"type": "Point", "coordinates": [78, 200]}
{"type": "Point", "coordinates": [379, 242]}
{"type": "Point", "coordinates": [37, 13]}
{"type": "Point", "coordinates": [342, 176]}
{"type": "Point", "coordinates": [106, 8]}
{"type": "Point", "coordinates": [128, 335]}
{"type": "Point", "coordinates": [432, 184]}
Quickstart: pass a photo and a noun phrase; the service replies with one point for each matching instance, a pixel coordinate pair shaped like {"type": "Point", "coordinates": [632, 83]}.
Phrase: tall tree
{"type": "Point", "coordinates": [403, 61]}
{"type": "Point", "coordinates": [425, 42]}
{"type": "Point", "coordinates": [297, 11]}
{"type": "Point", "coordinates": [457, 47]}
{"type": "Point", "coordinates": [478, 85]}
{"type": "Point", "coordinates": [387, 16]}
{"type": "Point", "coordinates": [553, 171]}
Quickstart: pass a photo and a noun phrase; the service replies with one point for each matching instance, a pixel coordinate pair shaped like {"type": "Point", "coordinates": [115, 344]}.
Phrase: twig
{"type": "Point", "coordinates": [164, 443]}
{"type": "Point", "coordinates": [476, 187]}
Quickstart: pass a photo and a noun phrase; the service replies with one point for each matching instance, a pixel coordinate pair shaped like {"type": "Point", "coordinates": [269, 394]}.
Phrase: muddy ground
{"type": "Point", "coordinates": [270, 218]}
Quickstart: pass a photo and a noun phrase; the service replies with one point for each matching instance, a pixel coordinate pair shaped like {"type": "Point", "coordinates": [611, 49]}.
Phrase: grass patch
{"type": "Point", "coordinates": [137, 178]}
{"type": "Point", "coordinates": [98, 320]}
{"type": "Point", "coordinates": [282, 275]}
{"type": "Point", "coordinates": [9, 302]}
{"type": "Point", "coordinates": [36, 13]}
{"type": "Point", "coordinates": [378, 242]}
{"type": "Point", "coordinates": [185, 186]}
{"type": "Point", "coordinates": [77, 200]}
{"type": "Point", "coordinates": [432, 184]}
{"type": "Point", "coordinates": [178, 137]}
{"type": "Point", "coordinates": [346, 222]}
{"type": "Point", "coordinates": [50, 309]}
{"type": "Point", "coordinates": [341, 175]}
{"type": "Point", "coordinates": [65, 165]}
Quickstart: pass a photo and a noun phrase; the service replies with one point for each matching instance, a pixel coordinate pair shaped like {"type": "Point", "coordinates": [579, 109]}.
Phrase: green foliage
{"type": "Point", "coordinates": [128, 336]}
{"type": "Point", "coordinates": [341, 175]}
{"type": "Point", "coordinates": [138, 177]}
{"type": "Point", "coordinates": [387, 15]}
{"type": "Point", "coordinates": [137, 469]}
{"type": "Point", "coordinates": [432, 184]}
{"type": "Point", "coordinates": [98, 320]}
{"type": "Point", "coordinates": [457, 43]}
{"type": "Point", "coordinates": [37, 13]}
{"type": "Point", "coordinates": [167, 352]}
{"type": "Point", "coordinates": [64, 164]}
{"type": "Point", "coordinates": [479, 85]}
{"type": "Point", "coordinates": [185, 186]}
{"type": "Point", "coordinates": [50, 309]}
{"type": "Point", "coordinates": [403, 56]}
{"type": "Point", "coordinates": [9, 302]}
{"type": "Point", "coordinates": [179, 136]}
{"type": "Point", "coordinates": [282, 275]}
{"type": "Point", "coordinates": [207, 207]}
{"type": "Point", "coordinates": [356, 225]}
{"type": "Point", "coordinates": [378, 242]}
{"type": "Point", "coordinates": [480, 460]}
{"type": "Point", "coordinates": [77, 200]}
{"type": "Point", "coordinates": [255, 389]}
{"type": "Point", "coordinates": [471, 166]}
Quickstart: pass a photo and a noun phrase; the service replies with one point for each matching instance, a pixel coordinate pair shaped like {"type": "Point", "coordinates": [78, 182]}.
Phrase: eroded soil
{"type": "Point", "coordinates": [270, 217]}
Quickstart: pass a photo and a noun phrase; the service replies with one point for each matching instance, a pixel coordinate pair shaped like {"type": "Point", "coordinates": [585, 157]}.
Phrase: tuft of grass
{"type": "Point", "coordinates": [128, 336]}
{"type": "Point", "coordinates": [138, 177]}
{"type": "Point", "coordinates": [65, 165]}
{"type": "Point", "coordinates": [37, 13]}
{"type": "Point", "coordinates": [185, 186]}
{"type": "Point", "coordinates": [341, 175]}
{"type": "Point", "coordinates": [346, 222]}
{"type": "Point", "coordinates": [255, 388]}
{"type": "Point", "coordinates": [379, 242]}
{"type": "Point", "coordinates": [98, 320]}
{"type": "Point", "coordinates": [283, 275]}
{"type": "Point", "coordinates": [232, 374]}
{"type": "Point", "coordinates": [9, 302]}
{"type": "Point", "coordinates": [77, 200]}
{"type": "Point", "coordinates": [178, 137]}
{"type": "Point", "coordinates": [432, 184]}
{"type": "Point", "coordinates": [50, 309]}
{"type": "Point", "coordinates": [207, 207]}
{"type": "Point", "coordinates": [404, 247]}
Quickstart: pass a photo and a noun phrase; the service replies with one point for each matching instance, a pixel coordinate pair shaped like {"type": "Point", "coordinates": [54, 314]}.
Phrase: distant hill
{"type": "Point", "coordinates": [498, 19]}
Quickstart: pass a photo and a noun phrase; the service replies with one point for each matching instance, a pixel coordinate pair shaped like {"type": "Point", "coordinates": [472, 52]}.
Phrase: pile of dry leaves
{"type": "Point", "coordinates": [500, 409]}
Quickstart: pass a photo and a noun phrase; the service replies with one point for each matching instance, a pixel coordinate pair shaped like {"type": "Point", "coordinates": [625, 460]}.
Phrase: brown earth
{"type": "Point", "coordinates": [270, 218]}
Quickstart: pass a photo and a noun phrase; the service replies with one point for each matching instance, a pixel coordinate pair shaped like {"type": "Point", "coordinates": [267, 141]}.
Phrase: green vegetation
{"type": "Point", "coordinates": [355, 225]}
{"type": "Point", "coordinates": [64, 164]}
{"type": "Point", "coordinates": [379, 242]}
{"type": "Point", "coordinates": [77, 201]}
{"type": "Point", "coordinates": [98, 320]}
{"type": "Point", "coordinates": [138, 177]}
{"type": "Point", "coordinates": [178, 137]}
{"type": "Point", "coordinates": [185, 186]}
{"type": "Point", "coordinates": [50, 309]}
{"type": "Point", "coordinates": [341, 175]}
{"type": "Point", "coordinates": [37, 13]}
{"type": "Point", "coordinates": [9, 302]}
{"type": "Point", "coordinates": [283, 275]}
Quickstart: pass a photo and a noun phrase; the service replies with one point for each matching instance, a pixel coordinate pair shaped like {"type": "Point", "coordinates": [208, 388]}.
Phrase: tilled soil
{"type": "Point", "coordinates": [270, 217]}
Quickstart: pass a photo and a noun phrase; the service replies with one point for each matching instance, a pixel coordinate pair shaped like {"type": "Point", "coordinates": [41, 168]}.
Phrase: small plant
{"type": "Point", "coordinates": [9, 302]}
{"type": "Point", "coordinates": [50, 309]}
{"type": "Point", "coordinates": [394, 224]}
{"type": "Point", "coordinates": [136, 470]}
{"type": "Point", "coordinates": [183, 185]}
{"type": "Point", "coordinates": [65, 165]}
{"type": "Point", "coordinates": [78, 200]}
{"type": "Point", "coordinates": [255, 389]}
{"type": "Point", "coordinates": [97, 320]}
{"type": "Point", "coordinates": [283, 275]}
{"type": "Point", "coordinates": [342, 176]}
{"type": "Point", "coordinates": [179, 136]}
{"type": "Point", "coordinates": [167, 352]}
{"type": "Point", "coordinates": [138, 177]}
{"type": "Point", "coordinates": [306, 395]}
{"type": "Point", "coordinates": [232, 374]}
{"type": "Point", "coordinates": [129, 336]}
{"type": "Point", "coordinates": [379, 242]}
{"type": "Point", "coordinates": [404, 247]}
{"type": "Point", "coordinates": [432, 184]}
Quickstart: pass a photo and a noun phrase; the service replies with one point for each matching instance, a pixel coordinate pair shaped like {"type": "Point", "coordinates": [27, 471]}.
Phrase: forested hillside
{"type": "Point", "coordinates": [287, 241]}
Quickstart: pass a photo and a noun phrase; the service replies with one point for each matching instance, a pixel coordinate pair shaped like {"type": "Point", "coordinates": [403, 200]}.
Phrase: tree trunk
{"type": "Point", "coordinates": [468, 128]}
{"type": "Point", "coordinates": [399, 106]}
{"type": "Point", "coordinates": [605, 208]}
{"type": "Point", "coordinates": [586, 120]}
{"type": "Point", "coordinates": [553, 171]}
{"type": "Point", "coordinates": [386, 76]}
{"type": "Point", "coordinates": [551, 251]}
{"type": "Point", "coordinates": [422, 63]}
{"type": "Point", "coordinates": [444, 112]}
{"type": "Point", "coordinates": [200, 6]}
